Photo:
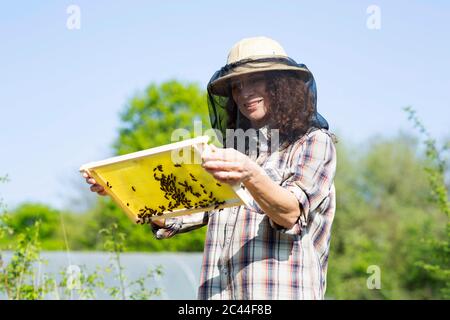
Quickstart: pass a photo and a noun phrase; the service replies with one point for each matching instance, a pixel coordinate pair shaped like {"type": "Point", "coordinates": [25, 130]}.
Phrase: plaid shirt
{"type": "Point", "coordinates": [248, 256]}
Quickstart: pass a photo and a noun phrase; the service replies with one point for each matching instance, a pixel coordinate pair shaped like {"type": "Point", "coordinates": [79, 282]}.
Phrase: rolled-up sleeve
{"type": "Point", "coordinates": [180, 224]}
{"type": "Point", "coordinates": [311, 176]}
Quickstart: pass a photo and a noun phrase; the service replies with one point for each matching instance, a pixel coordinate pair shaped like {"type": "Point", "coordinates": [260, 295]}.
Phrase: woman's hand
{"type": "Point", "coordinates": [95, 186]}
{"type": "Point", "coordinates": [228, 165]}
{"type": "Point", "coordinates": [231, 166]}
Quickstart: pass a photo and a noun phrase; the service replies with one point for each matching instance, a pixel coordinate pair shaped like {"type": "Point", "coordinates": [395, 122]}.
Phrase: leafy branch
{"type": "Point", "coordinates": [437, 264]}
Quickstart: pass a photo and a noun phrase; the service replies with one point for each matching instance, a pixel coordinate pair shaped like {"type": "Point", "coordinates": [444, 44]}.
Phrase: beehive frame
{"type": "Point", "coordinates": [132, 179]}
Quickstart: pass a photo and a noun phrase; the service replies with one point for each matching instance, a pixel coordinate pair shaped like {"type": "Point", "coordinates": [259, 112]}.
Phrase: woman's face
{"type": "Point", "coordinates": [249, 93]}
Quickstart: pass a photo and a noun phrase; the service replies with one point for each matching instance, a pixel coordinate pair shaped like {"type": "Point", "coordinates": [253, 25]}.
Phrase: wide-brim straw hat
{"type": "Point", "coordinates": [251, 55]}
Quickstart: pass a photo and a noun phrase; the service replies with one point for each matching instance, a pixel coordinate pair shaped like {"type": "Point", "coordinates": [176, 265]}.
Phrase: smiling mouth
{"type": "Point", "coordinates": [253, 103]}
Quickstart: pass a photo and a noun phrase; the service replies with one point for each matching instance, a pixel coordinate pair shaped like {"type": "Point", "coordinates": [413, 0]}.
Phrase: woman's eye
{"type": "Point", "coordinates": [256, 81]}
{"type": "Point", "coordinates": [250, 82]}
{"type": "Point", "coordinates": [236, 86]}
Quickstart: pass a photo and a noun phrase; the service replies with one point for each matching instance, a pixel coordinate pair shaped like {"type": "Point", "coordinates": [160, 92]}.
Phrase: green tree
{"type": "Point", "coordinates": [55, 225]}
{"type": "Point", "coordinates": [27, 214]}
{"type": "Point", "coordinates": [149, 118]}
{"type": "Point", "coordinates": [437, 262]}
{"type": "Point", "coordinates": [382, 216]}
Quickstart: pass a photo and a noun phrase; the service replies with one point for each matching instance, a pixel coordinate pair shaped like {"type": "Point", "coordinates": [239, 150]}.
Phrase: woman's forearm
{"type": "Point", "coordinates": [230, 166]}
{"type": "Point", "coordinates": [277, 202]}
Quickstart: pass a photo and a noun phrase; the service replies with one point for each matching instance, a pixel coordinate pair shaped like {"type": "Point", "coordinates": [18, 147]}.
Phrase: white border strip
{"type": "Point", "coordinates": [144, 153]}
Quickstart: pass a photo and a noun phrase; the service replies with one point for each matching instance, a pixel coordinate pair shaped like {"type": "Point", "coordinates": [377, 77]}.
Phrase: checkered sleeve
{"type": "Point", "coordinates": [311, 176]}
{"type": "Point", "coordinates": [180, 224]}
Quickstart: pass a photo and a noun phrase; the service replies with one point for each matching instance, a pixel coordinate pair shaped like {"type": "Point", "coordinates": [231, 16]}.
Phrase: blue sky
{"type": "Point", "coordinates": [61, 90]}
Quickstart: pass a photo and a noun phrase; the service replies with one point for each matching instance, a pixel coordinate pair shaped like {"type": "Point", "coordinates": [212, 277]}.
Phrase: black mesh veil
{"type": "Point", "coordinates": [219, 91]}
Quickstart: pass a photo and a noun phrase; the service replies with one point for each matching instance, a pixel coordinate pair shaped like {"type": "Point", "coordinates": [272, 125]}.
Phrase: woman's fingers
{"type": "Point", "coordinates": [222, 165]}
{"type": "Point", "coordinates": [97, 188]}
{"type": "Point", "coordinates": [159, 222]}
{"type": "Point", "coordinates": [89, 179]}
{"type": "Point", "coordinates": [215, 153]}
{"type": "Point", "coordinates": [103, 193]}
{"type": "Point", "coordinates": [229, 177]}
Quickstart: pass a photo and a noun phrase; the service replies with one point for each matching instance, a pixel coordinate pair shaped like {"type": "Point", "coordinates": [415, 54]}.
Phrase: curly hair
{"type": "Point", "coordinates": [291, 106]}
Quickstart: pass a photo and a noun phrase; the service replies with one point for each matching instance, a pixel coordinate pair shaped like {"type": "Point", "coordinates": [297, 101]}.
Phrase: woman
{"type": "Point", "coordinates": [277, 248]}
